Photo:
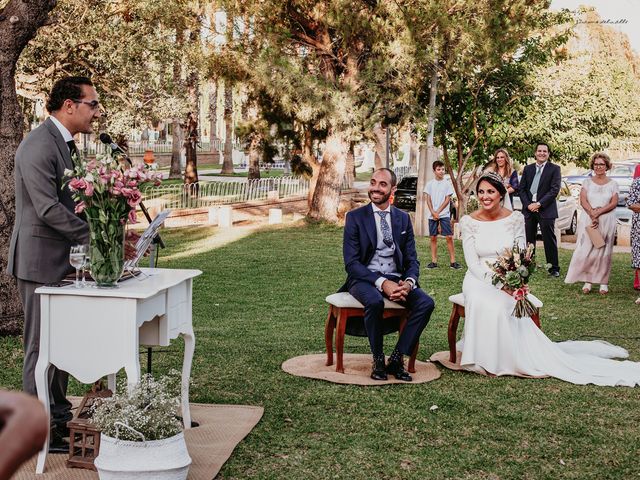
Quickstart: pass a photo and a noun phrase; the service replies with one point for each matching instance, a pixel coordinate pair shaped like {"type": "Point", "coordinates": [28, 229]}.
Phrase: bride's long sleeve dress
{"type": "Point", "coordinates": [496, 342]}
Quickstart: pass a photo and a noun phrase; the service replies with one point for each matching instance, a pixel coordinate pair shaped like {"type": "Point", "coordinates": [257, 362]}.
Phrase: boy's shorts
{"type": "Point", "coordinates": [445, 227]}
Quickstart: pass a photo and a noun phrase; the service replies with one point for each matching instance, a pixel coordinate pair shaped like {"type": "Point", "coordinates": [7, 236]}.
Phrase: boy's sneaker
{"type": "Point", "coordinates": [432, 265]}
{"type": "Point", "coordinates": [456, 266]}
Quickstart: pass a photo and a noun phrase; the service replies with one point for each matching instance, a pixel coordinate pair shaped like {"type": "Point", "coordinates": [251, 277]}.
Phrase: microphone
{"type": "Point", "coordinates": [106, 139]}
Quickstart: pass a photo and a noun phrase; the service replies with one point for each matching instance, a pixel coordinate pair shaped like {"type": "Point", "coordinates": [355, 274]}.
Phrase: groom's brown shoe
{"type": "Point", "coordinates": [378, 371]}
{"type": "Point", "coordinates": [397, 370]}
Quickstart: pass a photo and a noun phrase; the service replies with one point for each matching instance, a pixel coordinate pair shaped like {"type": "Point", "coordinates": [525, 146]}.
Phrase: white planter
{"type": "Point", "coordinates": [166, 459]}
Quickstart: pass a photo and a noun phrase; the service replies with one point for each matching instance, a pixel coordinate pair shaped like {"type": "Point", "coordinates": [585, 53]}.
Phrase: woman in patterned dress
{"type": "Point", "coordinates": [633, 202]}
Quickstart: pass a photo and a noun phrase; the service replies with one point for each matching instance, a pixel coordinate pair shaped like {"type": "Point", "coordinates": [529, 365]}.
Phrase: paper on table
{"type": "Point", "coordinates": [146, 238]}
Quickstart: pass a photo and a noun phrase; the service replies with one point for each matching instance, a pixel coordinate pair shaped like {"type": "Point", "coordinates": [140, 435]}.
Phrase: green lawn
{"type": "Point", "coordinates": [260, 301]}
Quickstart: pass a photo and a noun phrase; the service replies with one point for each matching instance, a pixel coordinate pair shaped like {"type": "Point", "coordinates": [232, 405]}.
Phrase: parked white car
{"type": "Point", "coordinates": [567, 210]}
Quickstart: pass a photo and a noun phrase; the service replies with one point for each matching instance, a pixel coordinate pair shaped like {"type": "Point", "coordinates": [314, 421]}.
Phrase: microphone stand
{"type": "Point", "coordinates": [156, 240]}
{"type": "Point", "coordinates": [153, 260]}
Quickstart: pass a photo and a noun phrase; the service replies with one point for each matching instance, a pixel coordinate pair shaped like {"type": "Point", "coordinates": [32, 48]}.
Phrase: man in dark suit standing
{"type": "Point", "coordinates": [381, 261]}
{"type": "Point", "coordinates": [46, 225]}
{"type": "Point", "coordinates": [539, 188]}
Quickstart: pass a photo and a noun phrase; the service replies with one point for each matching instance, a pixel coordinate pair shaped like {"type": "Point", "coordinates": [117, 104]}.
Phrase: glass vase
{"type": "Point", "coordinates": [106, 249]}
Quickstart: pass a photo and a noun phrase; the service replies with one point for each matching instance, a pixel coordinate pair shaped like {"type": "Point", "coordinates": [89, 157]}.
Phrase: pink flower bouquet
{"type": "Point", "coordinates": [108, 194]}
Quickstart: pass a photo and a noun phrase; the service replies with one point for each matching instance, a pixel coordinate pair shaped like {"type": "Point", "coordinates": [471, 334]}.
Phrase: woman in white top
{"type": "Point", "coordinates": [598, 198]}
{"type": "Point", "coordinates": [499, 343]}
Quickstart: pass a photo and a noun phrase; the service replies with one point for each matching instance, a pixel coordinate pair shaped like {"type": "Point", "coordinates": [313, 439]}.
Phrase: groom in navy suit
{"type": "Point", "coordinates": [381, 261]}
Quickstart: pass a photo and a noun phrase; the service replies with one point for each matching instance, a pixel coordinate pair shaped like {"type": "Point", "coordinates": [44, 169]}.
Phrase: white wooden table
{"type": "Point", "coordinates": [91, 332]}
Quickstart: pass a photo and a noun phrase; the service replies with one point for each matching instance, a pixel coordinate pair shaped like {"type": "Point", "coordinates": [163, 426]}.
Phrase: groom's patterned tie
{"type": "Point", "coordinates": [386, 231]}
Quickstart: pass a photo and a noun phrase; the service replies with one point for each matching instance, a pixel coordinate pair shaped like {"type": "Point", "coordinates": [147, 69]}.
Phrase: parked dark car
{"type": "Point", "coordinates": [405, 196]}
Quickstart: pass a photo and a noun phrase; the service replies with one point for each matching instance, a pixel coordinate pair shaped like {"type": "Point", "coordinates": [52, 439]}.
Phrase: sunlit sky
{"type": "Point", "coordinates": [612, 11]}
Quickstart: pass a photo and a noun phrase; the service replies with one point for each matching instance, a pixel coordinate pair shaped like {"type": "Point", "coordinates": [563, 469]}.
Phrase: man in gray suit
{"type": "Point", "coordinates": [46, 225]}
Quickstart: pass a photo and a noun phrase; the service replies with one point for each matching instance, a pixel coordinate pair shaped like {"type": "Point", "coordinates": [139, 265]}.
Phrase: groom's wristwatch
{"type": "Point", "coordinates": [412, 282]}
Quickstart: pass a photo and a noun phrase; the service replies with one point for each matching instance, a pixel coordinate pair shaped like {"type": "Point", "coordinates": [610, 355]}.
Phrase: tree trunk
{"type": "Point", "coordinates": [227, 164]}
{"type": "Point", "coordinates": [380, 134]}
{"type": "Point", "coordinates": [287, 158]}
{"type": "Point", "coordinates": [192, 136]}
{"type": "Point", "coordinates": [425, 166]}
{"type": "Point", "coordinates": [310, 158]}
{"type": "Point", "coordinates": [350, 168]}
{"type": "Point", "coordinates": [326, 197]}
{"type": "Point", "coordinates": [254, 157]}
{"type": "Point", "coordinates": [413, 151]}
{"type": "Point", "coordinates": [14, 36]}
{"type": "Point", "coordinates": [175, 170]}
{"type": "Point", "coordinates": [176, 148]}
{"type": "Point", "coordinates": [213, 113]}
{"type": "Point", "coordinates": [191, 146]}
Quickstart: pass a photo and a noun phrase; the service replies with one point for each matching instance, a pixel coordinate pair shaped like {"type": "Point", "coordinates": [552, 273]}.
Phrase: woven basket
{"type": "Point", "coordinates": [165, 459]}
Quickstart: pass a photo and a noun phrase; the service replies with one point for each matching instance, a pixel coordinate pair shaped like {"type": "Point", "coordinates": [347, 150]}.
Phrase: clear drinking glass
{"type": "Point", "coordinates": [86, 265]}
{"type": "Point", "coordinates": [77, 256]}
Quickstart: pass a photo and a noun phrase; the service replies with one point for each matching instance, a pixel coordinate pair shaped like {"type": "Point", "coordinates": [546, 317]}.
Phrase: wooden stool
{"type": "Point", "coordinates": [458, 311]}
{"type": "Point", "coordinates": [342, 306]}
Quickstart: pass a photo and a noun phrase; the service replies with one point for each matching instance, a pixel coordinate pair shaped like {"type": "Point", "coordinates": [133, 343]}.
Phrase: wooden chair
{"type": "Point", "coordinates": [342, 306]}
{"type": "Point", "coordinates": [458, 311]}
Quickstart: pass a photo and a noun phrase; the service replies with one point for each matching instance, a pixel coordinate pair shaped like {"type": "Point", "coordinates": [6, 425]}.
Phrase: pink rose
{"type": "Point", "coordinates": [77, 184]}
{"type": "Point", "coordinates": [89, 190]}
{"type": "Point", "coordinates": [80, 207]}
{"type": "Point", "coordinates": [134, 198]}
{"type": "Point", "coordinates": [133, 218]}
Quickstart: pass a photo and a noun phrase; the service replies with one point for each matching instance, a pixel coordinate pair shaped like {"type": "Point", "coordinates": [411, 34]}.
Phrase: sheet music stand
{"type": "Point", "coordinates": [148, 238]}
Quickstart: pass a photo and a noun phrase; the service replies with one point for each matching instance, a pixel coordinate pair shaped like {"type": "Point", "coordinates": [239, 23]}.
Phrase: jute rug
{"type": "Point", "coordinates": [443, 359]}
{"type": "Point", "coordinates": [357, 368]}
{"type": "Point", "coordinates": [221, 428]}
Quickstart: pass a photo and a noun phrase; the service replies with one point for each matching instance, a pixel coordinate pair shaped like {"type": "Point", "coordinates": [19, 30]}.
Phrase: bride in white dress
{"type": "Point", "coordinates": [495, 341]}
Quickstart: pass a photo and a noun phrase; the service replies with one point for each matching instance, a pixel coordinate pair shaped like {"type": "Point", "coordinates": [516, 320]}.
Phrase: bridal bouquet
{"type": "Point", "coordinates": [512, 270]}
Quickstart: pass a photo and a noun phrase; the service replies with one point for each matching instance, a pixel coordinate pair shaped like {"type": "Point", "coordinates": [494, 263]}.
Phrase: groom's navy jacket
{"type": "Point", "coordinates": [548, 188]}
{"type": "Point", "coordinates": [360, 241]}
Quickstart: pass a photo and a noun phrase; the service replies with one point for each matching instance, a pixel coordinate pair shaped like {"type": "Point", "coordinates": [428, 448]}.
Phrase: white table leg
{"type": "Point", "coordinates": [42, 387]}
{"type": "Point", "coordinates": [133, 374]}
{"type": "Point", "coordinates": [111, 382]}
{"type": "Point", "coordinates": [189, 348]}
{"type": "Point", "coordinates": [131, 349]}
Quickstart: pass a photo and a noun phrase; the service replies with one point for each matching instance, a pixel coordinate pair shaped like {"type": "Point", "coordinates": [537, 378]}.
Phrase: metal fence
{"type": "Point", "coordinates": [211, 194]}
{"type": "Point", "coordinates": [402, 172]}
{"type": "Point", "coordinates": [138, 148]}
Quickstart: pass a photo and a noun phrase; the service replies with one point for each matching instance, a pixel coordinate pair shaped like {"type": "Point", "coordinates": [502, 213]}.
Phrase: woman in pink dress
{"type": "Point", "coordinates": [598, 198]}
